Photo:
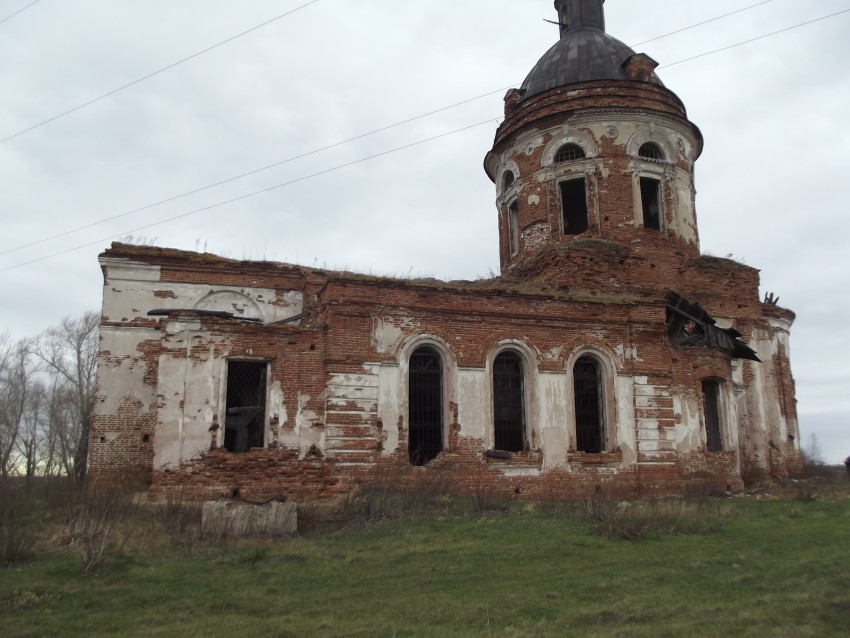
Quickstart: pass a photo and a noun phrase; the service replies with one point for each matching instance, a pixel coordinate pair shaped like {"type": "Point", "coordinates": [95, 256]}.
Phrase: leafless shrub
{"type": "Point", "coordinates": [180, 515]}
{"type": "Point", "coordinates": [92, 526]}
{"type": "Point", "coordinates": [598, 506]}
{"type": "Point", "coordinates": [754, 476]}
{"type": "Point", "coordinates": [702, 491]}
{"type": "Point", "coordinates": [486, 497]}
{"type": "Point", "coordinates": [17, 529]}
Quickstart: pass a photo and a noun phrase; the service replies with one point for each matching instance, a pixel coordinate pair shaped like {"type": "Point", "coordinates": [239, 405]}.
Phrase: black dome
{"type": "Point", "coordinates": [581, 55]}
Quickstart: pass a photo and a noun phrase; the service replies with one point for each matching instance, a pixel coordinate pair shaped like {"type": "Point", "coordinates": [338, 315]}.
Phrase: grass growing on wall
{"type": "Point", "coordinates": [774, 568]}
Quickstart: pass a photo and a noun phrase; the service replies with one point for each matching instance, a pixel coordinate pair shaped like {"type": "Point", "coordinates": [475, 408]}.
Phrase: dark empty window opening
{"type": "Point", "coordinates": [508, 180]}
{"type": "Point", "coordinates": [650, 195]}
{"type": "Point", "coordinates": [569, 153]}
{"type": "Point", "coordinates": [508, 404]}
{"type": "Point", "coordinates": [513, 227]}
{"type": "Point", "coordinates": [587, 382]}
{"type": "Point", "coordinates": [245, 418]}
{"type": "Point", "coordinates": [651, 151]}
{"type": "Point", "coordinates": [711, 408]}
{"type": "Point", "coordinates": [425, 439]}
{"type": "Point", "coordinates": [574, 204]}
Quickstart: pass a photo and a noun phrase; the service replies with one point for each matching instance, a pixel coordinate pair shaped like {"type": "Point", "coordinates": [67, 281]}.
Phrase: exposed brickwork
{"type": "Point", "coordinates": [336, 346]}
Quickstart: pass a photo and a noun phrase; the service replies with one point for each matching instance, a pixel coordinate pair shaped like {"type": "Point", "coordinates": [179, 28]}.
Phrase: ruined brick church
{"type": "Point", "coordinates": [609, 352]}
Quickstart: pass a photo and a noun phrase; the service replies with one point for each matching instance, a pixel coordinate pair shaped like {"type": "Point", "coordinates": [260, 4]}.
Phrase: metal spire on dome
{"type": "Point", "coordinates": [580, 14]}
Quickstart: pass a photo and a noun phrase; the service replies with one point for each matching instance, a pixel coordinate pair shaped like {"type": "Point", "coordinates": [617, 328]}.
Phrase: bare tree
{"type": "Point", "coordinates": [30, 442]}
{"type": "Point", "coordinates": [16, 370]}
{"type": "Point", "coordinates": [69, 350]}
{"type": "Point", "coordinates": [62, 432]}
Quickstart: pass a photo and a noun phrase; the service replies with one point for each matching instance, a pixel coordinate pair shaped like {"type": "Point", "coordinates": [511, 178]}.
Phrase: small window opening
{"type": "Point", "coordinates": [650, 195]}
{"type": "Point", "coordinates": [508, 405]}
{"type": "Point", "coordinates": [569, 153]}
{"type": "Point", "coordinates": [711, 407]}
{"type": "Point", "coordinates": [574, 205]}
{"type": "Point", "coordinates": [245, 419]}
{"type": "Point", "coordinates": [508, 180]}
{"type": "Point", "coordinates": [425, 437]}
{"type": "Point", "coordinates": [651, 151]}
{"type": "Point", "coordinates": [587, 382]}
{"type": "Point", "coordinates": [513, 222]}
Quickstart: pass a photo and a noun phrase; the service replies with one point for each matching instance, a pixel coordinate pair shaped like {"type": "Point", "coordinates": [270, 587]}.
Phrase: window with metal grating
{"type": "Point", "coordinates": [425, 404]}
{"type": "Point", "coordinates": [508, 404]}
{"type": "Point", "coordinates": [245, 416]}
{"type": "Point", "coordinates": [651, 151]}
{"type": "Point", "coordinates": [569, 153]}
{"type": "Point", "coordinates": [587, 382]}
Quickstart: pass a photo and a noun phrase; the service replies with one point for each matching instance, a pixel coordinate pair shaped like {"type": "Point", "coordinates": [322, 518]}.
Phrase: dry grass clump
{"type": "Point", "coordinates": [644, 520]}
{"type": "Point", "coordinates": [389, 494]}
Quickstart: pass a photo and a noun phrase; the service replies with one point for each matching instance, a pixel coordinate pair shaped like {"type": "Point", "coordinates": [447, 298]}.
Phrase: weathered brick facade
{"type": "Point", "coordinates": [609, 352]}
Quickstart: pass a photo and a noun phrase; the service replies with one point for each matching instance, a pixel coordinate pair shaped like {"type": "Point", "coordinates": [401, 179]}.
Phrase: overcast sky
{"type": "Point", "coordinates": [773, 181]}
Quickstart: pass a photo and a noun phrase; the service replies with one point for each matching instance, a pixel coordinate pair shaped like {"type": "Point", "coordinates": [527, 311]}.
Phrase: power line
{"type": "Point", "coordinates": [699, 24]}
{"type": "Point", "coordinates": [340, 166]}
{"type": "Point", "coordinates": [324, 148]}
{"type": "Point", "coordinates": [252, 194]}
{"type": "Point", "coordinates": [249, 173]}
{"type": "Point", "coordinates": [9, 17]}
{"type": "Point", "coordinates": [150, 75]}
{"type": "Point", "coordinates": [761, 37]}
{"type": "Point", "coordinates": [171, 66]}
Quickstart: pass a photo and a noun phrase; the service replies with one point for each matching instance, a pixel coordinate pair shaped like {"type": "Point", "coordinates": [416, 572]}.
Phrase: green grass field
{"type": "Point", "coordinates": [776, 568]}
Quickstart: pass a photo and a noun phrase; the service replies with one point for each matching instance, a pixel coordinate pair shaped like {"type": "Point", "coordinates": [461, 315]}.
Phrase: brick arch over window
{"type": "Point", "coordinates": [505, 182]}
{"type": "Point", "coordinates": [645, 136]}
{"type": "Point", "coordinates": [574, 137]}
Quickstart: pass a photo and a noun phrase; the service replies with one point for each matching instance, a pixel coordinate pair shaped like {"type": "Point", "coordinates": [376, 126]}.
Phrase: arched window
{"type": "Point", "coordinates": [568, 153]}
{"type": "Point", "coordinates": [508, 180]}
{"type": "Point", "coordinates": [651, 151]}
{"type": "Point", "coordinates": [589, 410]}
{"type": "Point", "coordinates": [513, 227]}
{"type": "Point", "coordinates": [508, 403]}
{"type": "Point", "coordinates": [425, 404]}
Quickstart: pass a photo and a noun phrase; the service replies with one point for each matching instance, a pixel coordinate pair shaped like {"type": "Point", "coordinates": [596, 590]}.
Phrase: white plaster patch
{"type": "Point", "coordinates": [625, 353]}
{"type": "Point", "coordinates": [387, 332]}
{"type": "Point", "coordinates": [555, 354]}
{"type": "Point", "coordinates": [124, 381]}
{"type": "Point", "coordinates": [473, 402]}
{"type": "Point", "coordinates": [390, 409]}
